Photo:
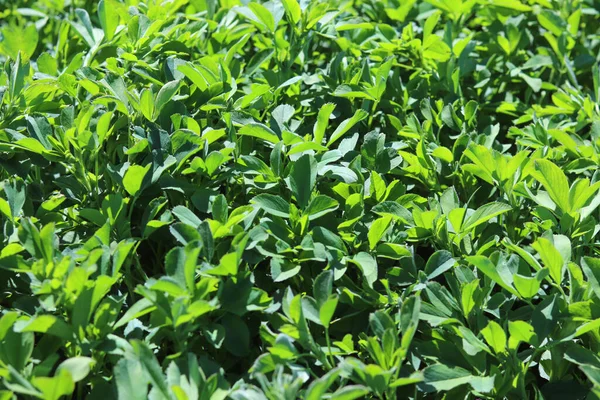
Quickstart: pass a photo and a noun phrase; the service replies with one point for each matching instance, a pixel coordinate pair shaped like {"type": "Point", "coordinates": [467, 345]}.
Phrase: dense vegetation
{"type": "Point", "coordinates": [207, 199]}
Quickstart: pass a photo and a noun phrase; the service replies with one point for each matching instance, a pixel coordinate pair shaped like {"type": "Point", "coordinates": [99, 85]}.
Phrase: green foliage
{"type": "Point", "coordinates": [224, 199]}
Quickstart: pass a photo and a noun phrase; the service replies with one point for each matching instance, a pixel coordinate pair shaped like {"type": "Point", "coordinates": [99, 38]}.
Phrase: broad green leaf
{"type": "Point", "coordinates": [393, 251]}
{"type": "Point", "coordinates": [78, 367]}
{"type": "Point", "coordinates": [377, 230]}
{"type": "Point", "coordinates": [328, 309]}
{"type": "Point", "coordinates": [165, 94]}
{"type": "Point", "coordinates": [469, 294]}
{"type": "Point", "coordinates": [319, 206]}
{"type": "Point", "coordinates": [139, 308]}
{"type": "Point", "coordinates": [483, 214]}
{"type": "Point", "coordinates": [19, 39]}
{"type": "Point", "coordinates": [40, 129]}
{"type": "Point", "coordinates": [46, 324]}
{"type": "Point", "coordinates": [441, 377]}
{"type": "Point", "coordinates": [85, 28]}
{"type": "Point", "coordinates": [495, 337]}
{"type": "Point", "coordinates": [228, 265]}
{"type": "Point", "coordinates": [322, 121]}
{"type": "Point", "coordinates": [350, 392]}
{"type": "Point", "coordinates": [591, 268]}
{"type": "Point", "coordinates": [16, 347]}
{"type": "Point", "coordinates": [134, 178]}
{"type": "Point", "coordinates": [368, 266]}
{"type": "Point", "coordinates": [554, 181]}
{"type": "Point", "coordinates": [409, 321]}
{"type": "Point", "coordinates": [438, 263]}
{"type": "Point", "coordinates": [520, 331]}
{"type": "Point", "coordinates": [187, 216]}
{"type": "Point", "coordinates": [323, 286]}
{"type": "Point", "coordinates": [551, 258]}
{"type": "Point", "coordinates": [237, 335]}
{"type": "Point", "coordinates": [552, 22]}
{"type": "Point", "coordinates": [486, 266]}
{"type": "Point", "coordinates": [131, 380]}
{"type": "Point", "coordinates": [527, 286]}
{"type": "Point", "coordinates": [302, 179]}
{"type": "Point", "coordinates": [264, 15]}
{"type": "Point", "coordinates": [274, 205]}
{"type": "Point", "coordinates": [283, 270]}
{"type": "Point", "coordinates": [109, 19]}
{"type": "Point", "coordinates": [306, 146]}
{"type": "Point", "coordinates": [259, 131]}
{"type": "Point", "coordinates": [346, 125]}
{"type": "Point", "coordinates": [147, 104]}
{"type": "Point", "coordinates": [56, 387]}
{"type": "Point", "coordinates": [293, 10]}
{"type": "Point", "coordinates": [319, 386]}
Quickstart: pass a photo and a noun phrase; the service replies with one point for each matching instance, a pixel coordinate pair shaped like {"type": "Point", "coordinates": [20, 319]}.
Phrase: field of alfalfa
{"type": "Point", "coordinates": [314, 199]}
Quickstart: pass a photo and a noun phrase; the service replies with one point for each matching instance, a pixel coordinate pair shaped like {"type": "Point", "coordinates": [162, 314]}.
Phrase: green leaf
{"type": "Point", "coordinates": [469, 296]}
{"type": "Point", "coordinates": [186, 216]}
{"type": "Point", "coordinates": [282, 270]}
{"type": "Point", "coordinates": [274, 205]}
{"type": "Point", "coordinates": [322, 121]}
{"type": "Point", "coordinates": [219, 209]}
{"type": "Point", "coordinates": [377, 230]}
{"type": "Point", "coordinates": [134, 178]}
{"type": "Point", "coordinates": [293, 10]}
{"type": "Point", "coordinates": [409, 321]}
{"type": "Point", "coordinates": [443, 378]}
{"type": "Point", "coordinates": [319, 386]}
{"type": "Point", "coordinates": [554, 181]}
{"type": "Point", "coordinates": [40, 129]}
{"type": "Point", "coordinates": [392, 250]}
{"type": "Point", "coordinates": [591, 269]}
{"type": "Point", "coordinates": [350, 392]}
{"type": "Point", "coordinates": [85, 28]}
{"type": "Point", "coordinates": [306, 146]}
{"type": "Point", "coordinates": [368, 266]}
{"type": "Point", "coordinates": [263, 15]}
{"type": "Point", "coordinates": [147, 104]}
{"type": "Point", "coordinates": [109, 19]}
{"type": "Point", "coordinates": [54, 388]}
{"type": "Point", "coordinates": [520, 331]}
{"type": "Point", "coordinates": [526, 286]}
{"type": "Point", "coordinates": [19, 39]}
{"type": "Point", "coordinates": [323, 286]}
{"type": "Point", "coordinates": [486, 266]}
{"type": "Point", "coordinates": [346, 125]}
{"type": "Point", "coordinates": [228, 265]}
{"type": "Point", "coordinates": [551, 258]}
{"type": "Point", "coordinates": [15, 347]}
{"type": "Point", "coordinates": [165, 94]}
{"type": "Point", "coordinates": [259, 131]}
{"type": "Point", "coordinates": [78, 367]}
{"type": "Point", "coordinates": [552, 22]}
{"type": "Point", "coordinates": [443, 154]}
{"type": "Point", "coordinates": [319, 206]}
{"type": "Point", "coordinates": [152, 368]}
{"type": "Point", "coordinates": [46, 324]}
{"type": "Point", "coordinates": [139, 308]}
{"type": "Point", "coordinates": [439, 262]}
{"type": "Point", "coordinates": [131, 380]}
{"type": "Point", "coordinates": [495, 337]}
{"type": "Point", "coordinates": [328, 309]}
{"type": "Point", "coordinates": [302, 179]}
{"type": "Point", "coordinates": [483, 214]}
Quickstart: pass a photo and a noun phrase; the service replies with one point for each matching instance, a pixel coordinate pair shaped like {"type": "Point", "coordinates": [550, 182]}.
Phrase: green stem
{"type": "Point", "coordinates": [329, 354]}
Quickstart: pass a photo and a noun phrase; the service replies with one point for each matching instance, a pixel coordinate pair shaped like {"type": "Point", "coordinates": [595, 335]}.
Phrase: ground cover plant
{"type": "Point", "coordinates": [207, 199]}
